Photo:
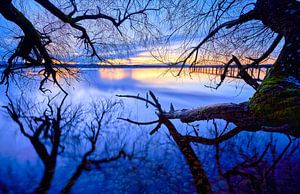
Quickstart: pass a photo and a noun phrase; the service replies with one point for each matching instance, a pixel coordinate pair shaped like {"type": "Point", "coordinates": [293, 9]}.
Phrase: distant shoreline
{"type": "Point", "coordinates": [98, 66]}
{"type": "Point", "coordinates": [83, 66]}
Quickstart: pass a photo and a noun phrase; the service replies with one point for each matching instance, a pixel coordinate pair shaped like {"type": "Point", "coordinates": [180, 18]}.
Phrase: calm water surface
{"type": "Point", "coordinates": [130, 160]}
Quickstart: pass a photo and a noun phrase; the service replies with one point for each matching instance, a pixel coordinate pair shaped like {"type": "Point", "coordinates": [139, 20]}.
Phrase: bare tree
{"type": "Point", "coordinates": [245, 33]}
{"type": "Point", "coordinates": [88, 23]}
{"type": "Point", "coordinates": [236, 30]}
{"type": "Point", "coordinates": [274, 107]}
{"type": "Point", "coordinates": [49, 129]}
{"type": "Point", "coordinates": [253, 170]}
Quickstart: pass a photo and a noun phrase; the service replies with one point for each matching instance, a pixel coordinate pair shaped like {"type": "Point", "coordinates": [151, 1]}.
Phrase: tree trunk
{"type": "Point", "coordinates": [277, 101]}
{"type": "Point", "coordinates": [276, 104]}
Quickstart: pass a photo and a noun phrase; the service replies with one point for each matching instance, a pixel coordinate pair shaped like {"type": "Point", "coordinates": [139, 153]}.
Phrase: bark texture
{"type": "Point", "coordinates": [277, 100]}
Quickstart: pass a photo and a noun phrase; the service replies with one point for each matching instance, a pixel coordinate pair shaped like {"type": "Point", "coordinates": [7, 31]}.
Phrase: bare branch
{"type": "Point", "coordinates": [267, 53]}
{"type": "Point", "coordinates": [213, 141]}
{"type": "Point", "coordinates": [244, 75]}
{"type": "Point", "coordinates": [251, 15]}
{"type": "Point", "coordinates": [139, 98]}
{"type": "Point", "coordinates": [138, 122]}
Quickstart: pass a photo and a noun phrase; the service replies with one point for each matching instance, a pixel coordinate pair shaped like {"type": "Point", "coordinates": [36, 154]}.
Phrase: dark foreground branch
{"type": "Point", "coordinates": [251, 15]}
{"type": "Point", "coordinates": [228, 111]}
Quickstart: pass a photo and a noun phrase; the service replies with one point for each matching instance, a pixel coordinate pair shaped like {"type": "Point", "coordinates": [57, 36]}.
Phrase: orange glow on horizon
{"type": "Point", "coordinates": [55, 61]}
{"type": "Point", "coordinates": [145, 58]}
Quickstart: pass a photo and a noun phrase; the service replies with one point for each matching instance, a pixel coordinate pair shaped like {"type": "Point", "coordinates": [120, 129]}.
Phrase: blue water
{"type": "Point", "coordinates": [155, 164]}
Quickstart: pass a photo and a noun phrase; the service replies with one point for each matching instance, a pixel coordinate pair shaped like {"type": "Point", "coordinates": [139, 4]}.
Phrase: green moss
{"type": "Point", "coordinates": [277, 102]}
{"type": "Point", "coordinates": [270, 82]}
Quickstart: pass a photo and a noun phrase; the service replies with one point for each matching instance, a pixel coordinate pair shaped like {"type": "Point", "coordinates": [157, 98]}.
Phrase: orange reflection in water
{"type": "Point", "coordinates": [156, 76]}
{"type": "Point", "coordinates": [144, 75]}
{"type": "Point", "coordinates": [162, 76]}
{"type": "Point", "coordinates": [114, 73]}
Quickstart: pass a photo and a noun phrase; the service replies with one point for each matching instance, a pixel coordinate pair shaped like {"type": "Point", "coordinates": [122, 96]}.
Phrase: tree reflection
{"type": "Point", "coordinates": [49, 126]}
{"type": "Point", "coordinates": [252, 170]}
{"type": "Point", "coordinates": [255, 165]}
{"type": "Point", "coordinates": [226, 159]}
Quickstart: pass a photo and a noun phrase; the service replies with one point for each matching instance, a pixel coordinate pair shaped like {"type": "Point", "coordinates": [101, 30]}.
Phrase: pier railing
{"type": "Point", "coordinates": [257, 73]}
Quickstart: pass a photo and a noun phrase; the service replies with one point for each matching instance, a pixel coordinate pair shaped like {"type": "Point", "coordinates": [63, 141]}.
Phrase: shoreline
{"type": "Point", "coordinates": [83, 66]}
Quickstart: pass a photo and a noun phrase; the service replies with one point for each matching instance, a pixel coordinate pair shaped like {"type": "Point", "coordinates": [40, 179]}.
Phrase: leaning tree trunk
{"type": "Point", "coordinates": [277, 100]}
{"type": "Point", "coordinates": [276, 104]}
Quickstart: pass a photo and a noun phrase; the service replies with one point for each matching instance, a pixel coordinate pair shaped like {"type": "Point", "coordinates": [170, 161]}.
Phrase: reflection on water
{"type": "Point", "coordinates": [61, 74]}
{"type": "Point", "coordinates": [114, 74]}
{"type": "Point", "coordinates": [76, 143]}
{"type": "Point", "coordinates": [186, 91]}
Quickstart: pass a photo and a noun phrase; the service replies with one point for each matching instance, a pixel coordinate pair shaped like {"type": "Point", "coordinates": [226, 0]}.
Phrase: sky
{"type": "Point", "coordinates": [132, 47]}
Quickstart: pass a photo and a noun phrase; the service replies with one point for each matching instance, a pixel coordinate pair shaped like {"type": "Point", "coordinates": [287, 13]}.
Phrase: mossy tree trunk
{"type": "Point", "coordinates": [277, 100]}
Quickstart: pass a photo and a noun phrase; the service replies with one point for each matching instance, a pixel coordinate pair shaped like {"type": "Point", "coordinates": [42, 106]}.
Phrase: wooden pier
{"type": "Point", "coordinates": [257, 73]}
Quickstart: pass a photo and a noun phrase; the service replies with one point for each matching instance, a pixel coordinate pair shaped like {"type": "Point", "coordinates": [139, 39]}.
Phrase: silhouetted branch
{"type": "Point", "coordinates": [92, 133]}
{"type": "Point", "coordinates": [266, 54]}
{"type": "Point", "coordinates": [213, 141]}
{"type": "Point", "coordinates": [251, 15]}
{"type": "Point", "coordinates": [244, 75]}
{"type": "Point", "coordinates": [139, 123]}
{"type": "Point", "coordinates": [271, 168]}
{"type": "Point", "coordinates": [139, 98]}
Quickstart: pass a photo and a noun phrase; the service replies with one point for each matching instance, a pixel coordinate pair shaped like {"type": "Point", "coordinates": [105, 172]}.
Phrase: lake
{"type": "Point", "coordinates": [101, 153]}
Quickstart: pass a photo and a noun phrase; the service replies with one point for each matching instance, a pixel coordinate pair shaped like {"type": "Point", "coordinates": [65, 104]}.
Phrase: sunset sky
{"type": "Point", "coordinates": [134, 52]}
